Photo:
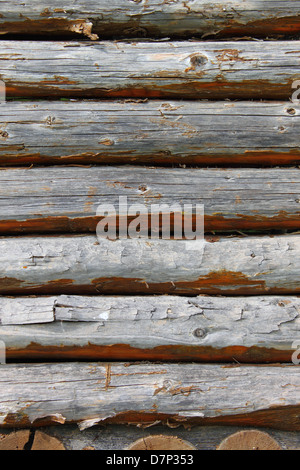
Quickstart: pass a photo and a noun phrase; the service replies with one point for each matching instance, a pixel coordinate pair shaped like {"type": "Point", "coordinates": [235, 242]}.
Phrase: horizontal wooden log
{"type": "Point", "coordinates": [209, 329]}
{"type": "Point", "coordinates": [84, 265]}
{"type": "Point", "coordinates": [186, 69]}
{"type": "Point", "coordinates": [151, 18]}
{"type": "Point", "coordinates": [155, 132]}
{"type": "Point", "coordinates": [93, 393]}
{"type": "Point", "coordinates": [66, 199]}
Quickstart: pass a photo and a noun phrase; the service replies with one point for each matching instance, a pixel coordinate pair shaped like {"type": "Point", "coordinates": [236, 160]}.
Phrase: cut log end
{"type": "Point", "coordinates": [43, 441]}
{"type": "Point", "coordinates": [249, 440]}
{"type": "Point", "coordinates": [161, 442]}
{"type": "Point", "coordinates": [15, 441]}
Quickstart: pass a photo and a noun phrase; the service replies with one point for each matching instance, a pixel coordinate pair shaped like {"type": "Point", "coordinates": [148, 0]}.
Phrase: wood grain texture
{"type": "Point", "coordinates": [66, 199]}
{"type": "Point", "coordinates": [151, 18]}
{"type": "Point", "coordinates": [26, 310]}
{"type": "Point", "coordinates": [161, 442]}
{"type": "Point", "coordinates": [156, 132]}
{"type": "Point", "coordinates": [203, 328]}
{"type": "Point", "coordinates": [93, 393]}
{"type": "Point", "coordinates": [249, 440]}
{"type": "Point", "coordinates": [117, 437]}
{"type": "Point", "coordinates": [84, 265]}
{"type": "Point", "coordinates": [185, 69]}
{"type": "Point", "coordinates": [15, 440]}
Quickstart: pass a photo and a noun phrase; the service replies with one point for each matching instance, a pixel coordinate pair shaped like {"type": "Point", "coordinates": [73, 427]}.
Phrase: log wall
{"type": "Point", "coordinates": [164, 103]}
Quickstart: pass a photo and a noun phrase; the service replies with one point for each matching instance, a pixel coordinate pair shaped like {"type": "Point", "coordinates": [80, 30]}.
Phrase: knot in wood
{"type": "Point", "coordinates": [200, 333]}
{"type": "Point", "coordinates": [197, 60]}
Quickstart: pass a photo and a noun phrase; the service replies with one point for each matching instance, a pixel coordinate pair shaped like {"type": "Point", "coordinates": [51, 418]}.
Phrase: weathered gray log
{"type": "Point", "coordinates": [188, 69]}
{"type": "Point", "coordinates": [210, 329]}
{"type": "Point", "coordinates": [155, 132]}
{"type": "Point", "coordinates": [84, 265]}
{"type": "Point", "coordinates": [93, 393]}
{"type": "Point", "coordinates": [152, 18]}
{"type": "Point", "coordinates": [117, 437]}
{"type": "Point", "coordinates": [26, 310]}
{"type": "Point", "coordinates": [64, 199]}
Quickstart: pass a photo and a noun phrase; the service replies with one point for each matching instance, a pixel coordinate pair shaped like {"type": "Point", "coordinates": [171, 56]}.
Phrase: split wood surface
{"type": "Point", "coordinates": [203, 328]}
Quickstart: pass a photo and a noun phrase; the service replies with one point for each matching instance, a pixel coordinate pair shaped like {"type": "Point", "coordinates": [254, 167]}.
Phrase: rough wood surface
{"type": "Point", "coordinates": [95, 393]}
{"type": "Point", "coordinates": [117, 437]}
{"type": "Point", "coordinates": [66, 199]}
{"type": "Point", "coordinates": [210, 329]}
{"type": "Point", "coordinates": [26, 310]}
{"type": "Point", "coordinates": [161, 442]}
{"type": "Point", "coordinates": [15, 440]}
{"type": "Point", "coordinates": [186, 69]}
{"type": "Point", "coordinates": [43, 441]}
{"type": "Point", "coordinates": [152, 18]}
{"type": "Point", "coordinates": [156, 132]}
{"type": "Point", "coordinates": [249, 440]}
{"type": "Point", "coordinates": [84, 265]}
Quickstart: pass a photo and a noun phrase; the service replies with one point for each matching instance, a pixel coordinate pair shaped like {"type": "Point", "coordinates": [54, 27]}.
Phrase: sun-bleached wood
{"type": "Point", "coordinates": [66, 199]}
{"type": "Point", "coordinates": [202, 328]}
{"type": "Point", "coordinates": [150, 18]}
{"type": "Point", "coordinates": [85, 265]}
{"type": "Point", "coordinates": [93, 393]}
{"type": "Point", "coordinates": [185, 69]}
{"type": "Point", "coordinates": [154, 132]}
{"type": "Point", "coordinates": [26, 311]}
